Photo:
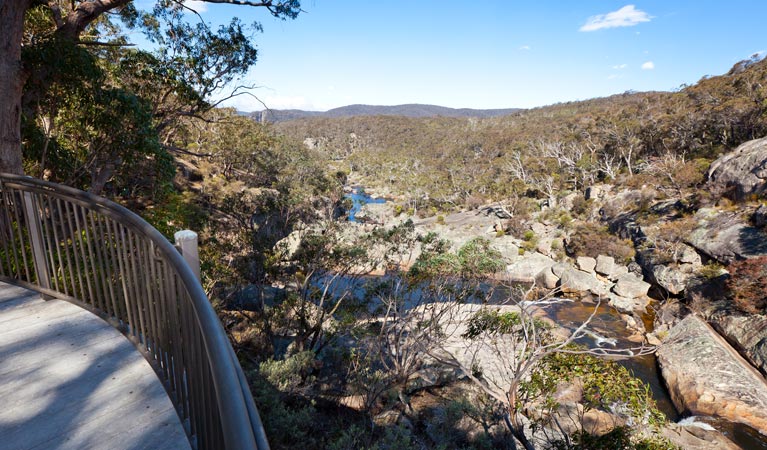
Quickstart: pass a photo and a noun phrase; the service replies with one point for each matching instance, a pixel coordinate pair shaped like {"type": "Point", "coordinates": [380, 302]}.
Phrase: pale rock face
{"type": "Point", "coordinates": [525, 269]}
{"type": "Point", "coordinates": [630, 286]}
{"type": "Point", "coordinates": [506, 247]}
{"type": "Point", "coordinates": [628, 305]}
{"type": "Point", "coordinates": [672, 280]}
{"type": "Point", "coordinates": [538, 228]}
{"type": "Point", "coordinates": [606, 266]}
{"type": "Point", "coordinates": [726, 236]}
{"type": "Point", "coordinates": [749, 332]}
{"type": "Point", "coordinates": [689, 256]}
{"type": "Point", "coordinates": [586, 263]}
{"type": "Point", "coordinates": [742, 172]}
{"type": "Point", "coordinates": [546, 279]}
{"type": "Point", "coordinates": [688, 437]}
{"type": "Point", "coordinates": [705, 376]}
{"type": "Point", "coordinates": [576, 281]}
{"type": "Point", "coordinates": [598, 191]}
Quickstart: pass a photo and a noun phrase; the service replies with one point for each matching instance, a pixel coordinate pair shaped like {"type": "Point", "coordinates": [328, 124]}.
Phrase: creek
{"type": "Point", "coordinates": [608, 323]}
{"type": "Point", "coordinates": [607, 326]}
{"type": "Point", "coordinates": [360, 198]}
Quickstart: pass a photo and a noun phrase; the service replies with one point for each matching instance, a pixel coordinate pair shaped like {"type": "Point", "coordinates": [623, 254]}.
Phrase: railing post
{"type": "Point", "coordinates": [36, 236]}
{"type": "Point", "coordinates": [186, 242]}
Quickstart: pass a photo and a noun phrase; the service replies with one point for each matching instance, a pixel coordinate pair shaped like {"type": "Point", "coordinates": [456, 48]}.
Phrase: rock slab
{"type": "Point", "coordinates": [630, 286]}
{"type": "Point", "coordinates": [742, 172]}
{"type": "Point", "coordinates": [726, 236]}
{"type": "Point", "coordinates": [749, 333]}
{"type": "Point", "coordinates": [707, 377]}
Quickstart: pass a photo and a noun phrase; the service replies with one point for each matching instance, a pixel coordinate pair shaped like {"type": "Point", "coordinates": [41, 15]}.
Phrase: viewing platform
{"type": "Point", "coordinates": [107, 339]}
{"type": "Point", "coordinates": [68, 380]}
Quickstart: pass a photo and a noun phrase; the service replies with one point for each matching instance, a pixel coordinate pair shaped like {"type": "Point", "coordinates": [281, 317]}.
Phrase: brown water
{"type": "Point", "coordinates": [608, 323]}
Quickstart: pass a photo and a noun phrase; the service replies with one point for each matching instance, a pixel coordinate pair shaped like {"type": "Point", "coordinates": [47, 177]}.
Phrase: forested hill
{"type": "Point", "coordinates": [562, 147]}
{"type": "Point", "coordinates": [410, 110]}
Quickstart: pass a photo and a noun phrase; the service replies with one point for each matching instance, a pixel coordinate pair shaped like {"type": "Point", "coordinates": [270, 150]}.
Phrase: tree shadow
{"type": "Point", "coordinates": [753, 241]}
{"type": "Point", "coordinates": [77, 383]}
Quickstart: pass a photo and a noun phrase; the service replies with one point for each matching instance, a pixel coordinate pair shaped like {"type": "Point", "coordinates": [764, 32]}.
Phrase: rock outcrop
{"type": "Point", "coordinates": [574, 281]}
{"type": "Point", "coordinates": [725, 236]}
{"type": "Point", "coordinates": [586, 263]}
{"type": "Point", "coordinates": [630, 286]}
{"type": "Point", "coordinates": [749, 335]}
{"type": "Point", "coordinates": [694, 437]}
{"type": "Point", "coordinates": [742, 172]}
{"type": "Point", "coordinates": [707, 377]}
{"type": "Point", "coordinates": [525, 269]}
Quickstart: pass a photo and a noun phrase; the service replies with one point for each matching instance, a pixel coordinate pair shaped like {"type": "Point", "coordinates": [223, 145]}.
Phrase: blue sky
{"type": "Point", "coordinates": [491, 53]}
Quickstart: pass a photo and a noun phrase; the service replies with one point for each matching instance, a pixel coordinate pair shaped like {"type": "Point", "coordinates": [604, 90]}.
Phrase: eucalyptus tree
{"type": "Point", "coordinates": [51, 51]}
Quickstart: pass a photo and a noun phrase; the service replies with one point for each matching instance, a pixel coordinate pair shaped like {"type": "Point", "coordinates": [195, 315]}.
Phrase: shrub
{"type": "Point", "coordinates": [290, 374]}
{"type": "Point", "coordinates": [748, 284]}
{"type": "Point", "coordinates": [711, 270]}
{"type": "Point", "coordinates": [440, 219]}
{"type": "Point", "coordinates": [530, 241]}
{"type": "Point", "coordinates": [593, 240]}
{"type": "Point", "coordinates": [581, 206]}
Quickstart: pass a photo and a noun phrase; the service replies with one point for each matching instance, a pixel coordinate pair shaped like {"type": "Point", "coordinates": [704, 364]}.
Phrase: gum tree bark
{"type": "Point", "coordinates": [12, 79]}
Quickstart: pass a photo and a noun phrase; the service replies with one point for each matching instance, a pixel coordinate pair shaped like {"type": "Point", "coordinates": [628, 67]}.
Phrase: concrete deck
{"type": "Point", "coordinates": [68, 380]}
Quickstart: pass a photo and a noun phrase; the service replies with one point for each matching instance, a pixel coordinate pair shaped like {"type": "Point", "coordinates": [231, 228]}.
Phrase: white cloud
{"type": "Point", "coordinates": [614, 76]}
{"type": "Point", "coordinates": [628, 16]}
{"type": "Point", "coordinates": [525, 47]}
{"type": "Point", "coordinates": [197, 5]}
{"type": "Point", "coordinates": [649, 65]}
{"type": "Point", "coordinates": [620, 66]}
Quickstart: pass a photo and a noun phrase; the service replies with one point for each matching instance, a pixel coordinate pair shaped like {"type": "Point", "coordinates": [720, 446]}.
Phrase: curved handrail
{"type": "Point", "coordinates": [74, 245]}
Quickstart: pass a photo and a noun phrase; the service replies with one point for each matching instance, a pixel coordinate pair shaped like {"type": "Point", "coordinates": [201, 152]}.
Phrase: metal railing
{"type": "Point", "coordinates": [88, 250]}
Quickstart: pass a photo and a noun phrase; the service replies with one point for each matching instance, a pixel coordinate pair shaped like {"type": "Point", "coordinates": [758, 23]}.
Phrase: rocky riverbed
{"type": "Point", "coordinates": [710, 361]}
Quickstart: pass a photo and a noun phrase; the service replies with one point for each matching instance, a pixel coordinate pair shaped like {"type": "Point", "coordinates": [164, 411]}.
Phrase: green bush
{"type": "Point", "coordinates": [529, 241]}
{"type": "Point", "coordinates": [711, 270]}
{"type": "Point", "coordinates": [289, 374]}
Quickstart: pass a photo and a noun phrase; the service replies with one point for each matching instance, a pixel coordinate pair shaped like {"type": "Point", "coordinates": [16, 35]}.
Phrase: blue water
{"type": "Point", "coordinates": [360, 198]}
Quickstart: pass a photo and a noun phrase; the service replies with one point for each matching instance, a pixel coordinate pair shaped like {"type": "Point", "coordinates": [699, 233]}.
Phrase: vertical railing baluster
{"type": "Point", "coordinates": [36, 240]}
{"type": "Point", "coordinates": [50, 243]}
{"type": "Point", "coordinates": [114, 272]}
{"type": "Point", "coordinates": [140, 278]}
{"type": "Point", "coordinates": [82, 246]}
{"type": "Point", "coordinates": [164, 324]}
{"type": "Point", "coordinates": [127, 285]}
{"type": "Point", "coordinates": [151, 314]}
{"type": "Point", "coordinates": [98, 250]}
{"type": "Point", "coordinates": [108, 267]}
{"type": "Point", "coordinates": [21, 262]}
{"type": "Point", "coordinates": [66, 227]}
{"type": "Point", "coordinates": [180, 359]}
{"type": "Point", "coordinates": [6, 233]}
{"type": "Point", "coordinates": [203, 388]}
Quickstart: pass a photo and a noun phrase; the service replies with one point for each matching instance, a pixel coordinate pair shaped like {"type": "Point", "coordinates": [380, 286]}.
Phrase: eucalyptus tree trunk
{"type": "Point", "coordinates": [12, 78]}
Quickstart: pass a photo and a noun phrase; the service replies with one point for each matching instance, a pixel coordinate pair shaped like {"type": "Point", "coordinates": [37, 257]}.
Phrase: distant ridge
{"type": "Point", "coordinates": [411, 110]}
